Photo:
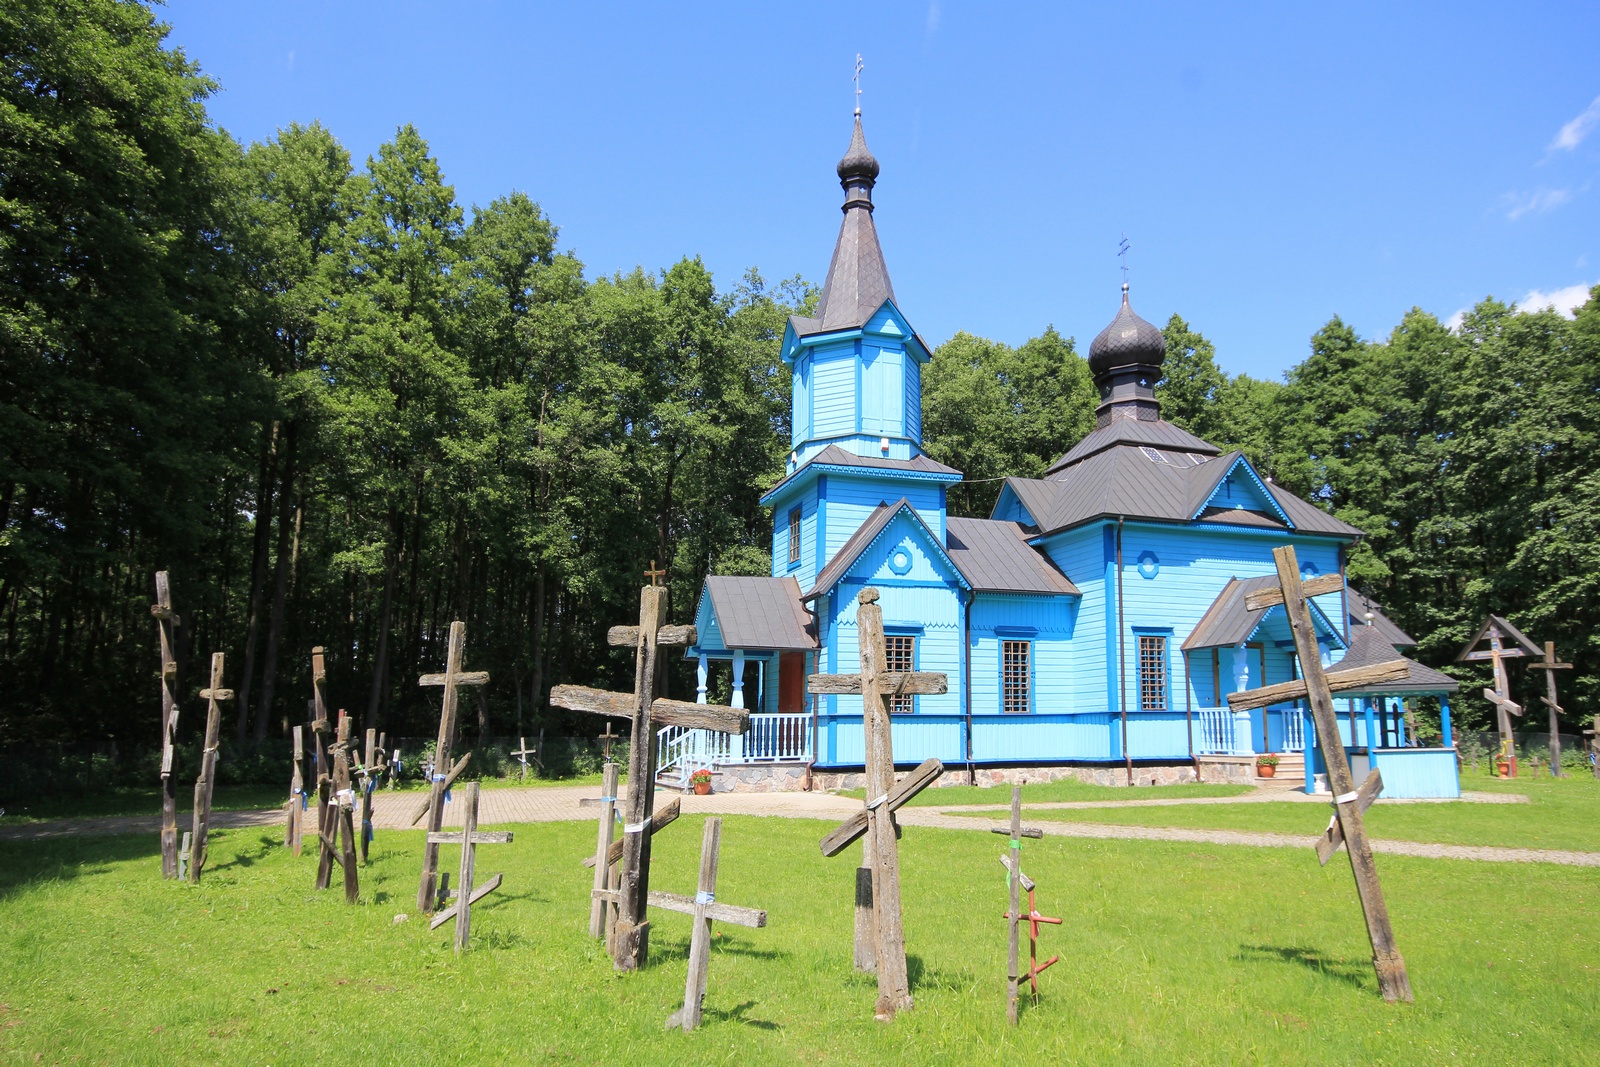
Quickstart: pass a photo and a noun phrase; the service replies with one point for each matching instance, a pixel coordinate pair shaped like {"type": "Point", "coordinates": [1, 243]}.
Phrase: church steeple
{"type": "Point", "coordinates": [858, 279]}
{"type": "Point", "coordinates": [1125, 359]}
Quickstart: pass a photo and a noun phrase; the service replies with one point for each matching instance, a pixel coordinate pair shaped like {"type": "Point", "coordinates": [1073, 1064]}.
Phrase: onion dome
{"type": "Point", "coordinates": [1129, 341]}
{"type": "Point", "coordinates": [858, 161]}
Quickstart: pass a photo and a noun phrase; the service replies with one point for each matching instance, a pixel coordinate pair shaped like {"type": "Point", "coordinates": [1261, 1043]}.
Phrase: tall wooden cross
{"type": "Point", "coordinates": [1550, 666]}
{"type": "Point", "coordinates": [630, 945]}
{"type": "Point", "coordinates": [207, 781]}
{"type": "Point", "coordinates": [466, 894]}
{"type": "Point", "coordinates": [878, 921]}
{"type": "Point", "coordinates": [166, 622]}
{"type": "Point", "coordinates": [603, 868]}
{"type": "Point", "coordinates": [322, 729]}
{"type": "Point", "coordinates": [704, 907]}
{"type": "Point", "coordinates": [1016, 881]}
{"type": "Point", "coordinates": [452, 678]}
{"type": "Point", "coordinates": [1504, 642]}
{"type": "Point", "coordinates": [1317, 688]}
{"type": "Point", "coordinates": [337, 832]}
{"type": "Point", "coordinates": [296, 806]}
{"type": "Point", "coordinates": [370, 770]}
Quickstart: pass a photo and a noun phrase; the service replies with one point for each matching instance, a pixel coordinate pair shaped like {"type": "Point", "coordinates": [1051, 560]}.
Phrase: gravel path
{"type": "Point", "coordinates": [392, 811]}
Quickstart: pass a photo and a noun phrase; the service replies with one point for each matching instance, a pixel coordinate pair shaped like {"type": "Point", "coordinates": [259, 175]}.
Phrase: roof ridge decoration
{"type": "Point", "coordinates": [866, 536]}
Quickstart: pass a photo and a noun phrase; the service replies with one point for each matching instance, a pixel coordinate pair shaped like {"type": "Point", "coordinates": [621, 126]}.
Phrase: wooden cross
{"type": "Point", "coordinates": [337, 831]}
{"type": "Point", "coordinates": [1318, 688]}
{"type": "Point", "coordinates": [1593, 734]}
{"type": "Point", "coordinates": [166, 622]}
{"type": "Point", "coordinates": [601, 913]}
{"type": "Point", "coordinates": [370, 770]}
{"type": "Point", "coordinates": [296, 806]}
{"type": "Point", "coordinates": [1016, 881]}
{"type": "Point", "coordinates": [524, 752]}
{"type": "Point", "coordinates": [654, 574]}
{"type": "Point", "coordinates": [466, 895]}
{"type": "Point", "coordinates": [1498, 632]}
{"type": "Point", "coordinates": [606, 739]}
{"type": "Point", "coordinates": [1550, 666]}
{"type": "Point", "coordinates": [704, 907]}
{"type": "Point", "coordinates": [321, 730]}
{"type": "Point", "coordinates": [208, 768]}
{"type": "Point", "coordinates": [878, 919]}
{"type": "Point", "coordinates": [452, 678]}
{"type": "Point", "coordinates": [630, 944]}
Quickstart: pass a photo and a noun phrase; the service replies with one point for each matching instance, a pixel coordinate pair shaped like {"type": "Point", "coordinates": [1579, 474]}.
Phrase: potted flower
{"type": "Point", "coordinates": [701, 780]}
{"type": "Point", "coordinates": [1267, 765]}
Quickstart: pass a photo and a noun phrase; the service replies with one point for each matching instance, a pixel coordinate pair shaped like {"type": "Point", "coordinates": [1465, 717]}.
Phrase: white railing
{"type": "Point", "coordinates": [1294, 730]}
{"type": "Point", "coordinates": [681, 751]}
{"type": "Point", "coordinates": [1216, 732]}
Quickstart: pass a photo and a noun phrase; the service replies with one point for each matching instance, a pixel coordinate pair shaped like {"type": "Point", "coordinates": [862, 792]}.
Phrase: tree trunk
{"type": "Point", "coordinates": [280, 582]}
{"type": "Point", "coordinates": [258, 572]}
{"type": "Point", "coordinates": [380, 658]}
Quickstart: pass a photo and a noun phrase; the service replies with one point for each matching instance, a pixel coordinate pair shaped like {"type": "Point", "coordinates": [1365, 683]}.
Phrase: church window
{"type": "Point", "coordinates": [794, 535]}
{"type": "Point", "coordinates": [1014, 677]}
{"type": "Point", "coordinates": [900, 656]}
{"type": "Point", "coordinates": [1152, 673]}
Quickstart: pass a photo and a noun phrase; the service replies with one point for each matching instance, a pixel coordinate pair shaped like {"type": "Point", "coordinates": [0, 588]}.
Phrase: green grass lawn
{"type": "Point", "coordinates": [1172, 953]}
{"type": "Point", "coordinates": [140, 802]}
{"type": "Point", "coordinates": [1561, 814]}
{"type": "Point", "coordinates": [1063, 789]}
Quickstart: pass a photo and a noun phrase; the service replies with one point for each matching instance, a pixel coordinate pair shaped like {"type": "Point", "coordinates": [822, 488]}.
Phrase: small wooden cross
{"type": "Point", "coordinates": [469, 839]}
{"type": "Point", "coordinates": [704, 907]}
{"type": "Point", "coordinates": [207, 781]}
{"type": "Point", "coordinates": [524, 752]}
{"type": "Point", "coordinates": [1015, 882]}
{"type": "Point", "coordinates": [452, 678]}
{"type": "Point", "coordinates": [167, 621]}
{"type": "Point", "coordinates": [655, 575]}
{"type": "Point", "coordinates": [606, 739]}
{"type": "Point", "coordinates": [370, 770]}
{"type": "Point", "coordinates": [878, 918]}
{"type": "Point", "coordinates": [1550, 666]}
{"type": "Point", "coordinates": [296, 806]}
{"type": "Point", "coordinates": [1318, 688]}
{"type": "Point", "coordinates": [630, 945]}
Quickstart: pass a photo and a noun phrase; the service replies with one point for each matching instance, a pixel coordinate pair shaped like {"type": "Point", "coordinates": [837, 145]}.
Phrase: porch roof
{"type": "Point", "coordinates": [1369, 646]}
{"type": "Point", "coordinates": [1229, 622]}
{"type": "Point", "coordinates": [760, 613]}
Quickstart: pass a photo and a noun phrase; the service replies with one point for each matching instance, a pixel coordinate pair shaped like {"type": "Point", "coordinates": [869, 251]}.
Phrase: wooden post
{"type": "Point", "coordinates": [344, 807]}
{"type": "Point", "coordinates": [371, 761]}
{"type": "Point", "coordinates": [1390, 966]}
{"type": "Point", "coordinates": [327, 807]}
{"type": "Point", "coordinates": [630, 940]}
{"type": "Point", "coordinates": [602, 868]}
{"type": "Point", "coordinates": [208, 768]}
{"type": "Point", "coordinates": [166, 623]}
{"type": "Point", "coordinates": [694, 991]}
{"type": "Point", "coordinates": [452, 677]}
{"type": "Point", "coordinates": [1015, 885]}
{"type": "Point", "coordinates": [467, 893]}
{"type": "Point", "coordinates": [295, 827]}
{"type": "Point", "coordinates": [1550, 666]}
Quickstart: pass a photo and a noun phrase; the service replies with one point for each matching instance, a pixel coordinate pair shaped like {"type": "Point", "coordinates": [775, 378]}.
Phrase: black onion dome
{"type": "Point", "coordinates": [1128, 341]}
{"type": "Point", "coordinates": [858, 162]}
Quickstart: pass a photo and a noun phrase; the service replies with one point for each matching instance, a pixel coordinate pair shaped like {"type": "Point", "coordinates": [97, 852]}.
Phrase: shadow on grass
{"type": "Point", "coordinates": [664, 949]}
{"type": "Point", "coordinates": [737, 1015]}
{"type": "Point", "coordinates": [264, 846]}
{"type": "Point", "coordinates": [920, 976]}
{"type": "Point", "coordinates": [59, 859]}
{"type": "Point", "coordinates": [1342, 970]}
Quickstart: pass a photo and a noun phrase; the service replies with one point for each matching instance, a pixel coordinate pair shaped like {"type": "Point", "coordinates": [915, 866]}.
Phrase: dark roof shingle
{"type": "Point", "coordinates": [995, 557]}
{"type": "Point", "coordinates": [762, 613]}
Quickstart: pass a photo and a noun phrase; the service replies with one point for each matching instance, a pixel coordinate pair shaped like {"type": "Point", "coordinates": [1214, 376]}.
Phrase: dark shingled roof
{"type": "Point", "coordinates": [1369, 646]}
{"type": "Point", "coordinates": [761, 613]}
{"type": "Point", "coordinates": [995, 557]}
{"type": "Point", "coordinates": [1228, 621]}
{"type": "Point", "coordinates": [834, 456]}
{"type": "Point", "coordinates": [1128, 341]}
{"type": "Point", "coordinates": [858, 279]}
{"type": "Point", "coordinates": [1160, 434]}
{"type": "Point", "coordinates": [1380, 622]}
{"type": "Point", "coordinates": [1152, 483]}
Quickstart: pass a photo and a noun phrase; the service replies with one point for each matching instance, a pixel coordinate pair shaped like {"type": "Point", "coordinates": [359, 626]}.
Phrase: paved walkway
{"type": "Point", "coordinates": [393, 811]}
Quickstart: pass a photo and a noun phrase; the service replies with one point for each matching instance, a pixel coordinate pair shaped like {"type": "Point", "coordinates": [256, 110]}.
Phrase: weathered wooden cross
{"type": "Point", "coordinates": [524, 752]}
{"type": "Point", "coordinates": [370, 770]}
{"type": "Point", "coordinates": [630, 943]}
{"type": "Point", "coordinates": [327, 809]}
{"type": "Point", "coordinates": [466, 894]}
{"type": "Point", "coordinates": [1015, 882]}
{"type": "Point", "coordinates": [704, 907]}
{"type": "Point", "coordinates": [1317, 689]}
{"type": "Point", "coordinates": [296, 806]}
{"type": "Point", "coordinates": [1504, 642]}
{"type": "Point", "coordinates": [600, 910]}
{"type": "Point", "coordinates": [166, 622]}
{"type": "Point", "coordinates": [606, 739]}
{"type": "Point", "coordinates": [452, 678]}
{"type": "Point", "coordinates": [879, 930]}
{"type": "Point", "coordinates": [1550, 666]}
{"type": "Point", "coordinates": [340, 821]}
{"type": "Point", "coordinates": [207, 781]}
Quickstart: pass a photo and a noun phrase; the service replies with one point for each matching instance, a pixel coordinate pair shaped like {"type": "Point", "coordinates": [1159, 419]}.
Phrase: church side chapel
{"type": "Point", "coordinates": [1093, 625]}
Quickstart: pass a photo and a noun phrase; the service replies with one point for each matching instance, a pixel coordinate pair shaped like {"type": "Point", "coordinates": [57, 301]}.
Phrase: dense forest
{"type": "Point", "coordinates": [342, 410]}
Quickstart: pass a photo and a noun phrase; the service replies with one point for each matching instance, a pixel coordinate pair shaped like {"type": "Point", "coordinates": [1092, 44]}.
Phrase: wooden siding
{"type": "Point", "coordinates": [1418, 772]}
{"type": "Point", "coordinates": [833, 403]}
{"type": "Point", "coordinates": [1047, 622]}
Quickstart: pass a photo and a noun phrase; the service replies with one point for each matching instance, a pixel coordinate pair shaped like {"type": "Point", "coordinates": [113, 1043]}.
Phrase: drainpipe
{"type": "Point", "coordinates": [1122, 658]}
{"type": "Point", "coordinates": [1188, 712]}
{"type": "Point", "coordinates": [966, 675]}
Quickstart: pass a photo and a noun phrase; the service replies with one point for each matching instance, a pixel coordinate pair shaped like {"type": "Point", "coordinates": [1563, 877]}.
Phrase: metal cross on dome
{"type": "Point", "coordinates": [859, 66]}
{"type": "Point", "coordinates": [1122, 254]}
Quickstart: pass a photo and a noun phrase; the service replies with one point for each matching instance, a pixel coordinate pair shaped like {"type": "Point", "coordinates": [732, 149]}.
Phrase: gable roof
{"type": "Point", "coordinates": [1518, 638]}
{"type": "Point", "coordinates": [1145, 482]}
{"type": "Point", "coordinates": [995, 557]}
{"type": "Point", "coordinates": [835, 458]}
{"type": "Point", "coordinates": [1210, 477]}
{"type": "Point", "coordinates": [867, 533]}
{"type": "Point", "coordinates": [762, 613]}
{"type": "Point", "coordinates": [1369, 646]}
{"type": "Point", "coordinates": [1380, 622]}
{"type": "Point", "coordinates": [1158, 434]}
{"type": "Point", "coordinates": [1228, 621]}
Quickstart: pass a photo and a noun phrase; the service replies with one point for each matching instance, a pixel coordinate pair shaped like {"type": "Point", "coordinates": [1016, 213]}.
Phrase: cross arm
{"type": "Point", "coordinates": [917, 683]}
{"type": "Point", "coordinates": [1491, 653]}
{"type": "Point", "coordinates": [657, 821]}
{"type": "Point", "coordinates": [1333, 836]}
{"type": "Point", "coordinates": [724, 913]}
{"type": "Point", "coordinates": [1024, 880]}
{"type": "Point", "coordinates": [449, 780]}
{"type": "Point", "coordinates": [477, 894]}
{"type": "Point", "coordinates": [1552, 705]}
{"type": "Point", "coordinates": [670, 636]}
{"type": "Point", "coordinates": [462, 678]}
{"type": "Point", "coordinates": [1271, 598]}
{"type": "Point", "coordinates": [852, 828]}
{"type": "Point", "coordinates": [1338, 682]}
{"type": "Point", "coordinates": [662, 710]}
{"type": "Point", "coordinates": [479, 837]}
{"type": "Point", "coordinates": [1496, 699]}
{"type": "Point", "coordinates": [1027, 831]}
{"type": "Point", "coordinates": [216, 694]}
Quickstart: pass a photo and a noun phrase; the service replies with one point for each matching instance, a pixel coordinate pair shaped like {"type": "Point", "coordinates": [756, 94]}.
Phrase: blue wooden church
{"type": "Point", "coordinates": [1092, 625]}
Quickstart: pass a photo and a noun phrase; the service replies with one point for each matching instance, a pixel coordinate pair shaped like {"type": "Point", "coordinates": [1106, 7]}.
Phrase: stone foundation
{"type": "Point", "coordinates": [791, 777]}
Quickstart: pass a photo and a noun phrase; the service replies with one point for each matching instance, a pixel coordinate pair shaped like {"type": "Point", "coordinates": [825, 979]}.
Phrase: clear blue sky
{"type": "Point", "coordinates": [1272, 165]}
